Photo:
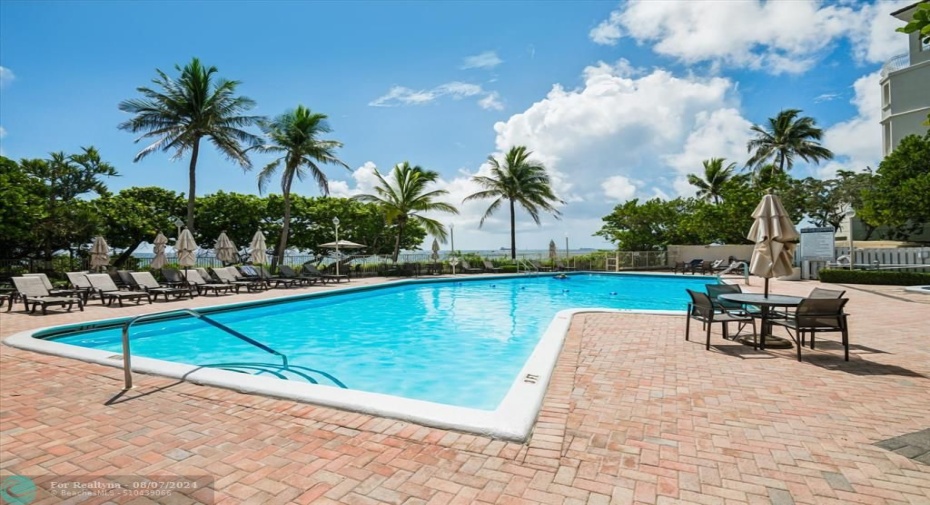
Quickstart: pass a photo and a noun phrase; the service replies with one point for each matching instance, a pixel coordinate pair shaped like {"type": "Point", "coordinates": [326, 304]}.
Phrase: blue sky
{"type": "Point", "coordinates": [618, 100]}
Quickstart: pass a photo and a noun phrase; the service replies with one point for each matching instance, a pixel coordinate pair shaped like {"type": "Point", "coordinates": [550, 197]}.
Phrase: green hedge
{"type": "Point", "coordinates": [886, 277]}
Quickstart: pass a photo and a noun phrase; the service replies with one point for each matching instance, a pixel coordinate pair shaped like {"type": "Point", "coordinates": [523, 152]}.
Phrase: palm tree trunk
{"type": "Point", "coordinates": [513, 232]}
{"type": "Point", "coordinates": [285, 230]}
{"type": "Point", "coordinates": [192, 177]}
{"type": "Point", "coordinates": [400, 231]}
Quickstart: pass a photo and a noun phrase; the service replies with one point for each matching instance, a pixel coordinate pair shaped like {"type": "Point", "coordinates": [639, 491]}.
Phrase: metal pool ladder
{"type": "Point", "coordinates": [127, 366]}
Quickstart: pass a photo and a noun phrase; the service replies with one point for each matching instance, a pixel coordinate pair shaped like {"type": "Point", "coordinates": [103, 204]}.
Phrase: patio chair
{"type": "Point", "coordinates": [79, 282]}
{"type": "Point", "coordinates": [489, 267]}
{"type": "Point", "coordinates": [702, 309]}
{"type": "Point", "coordinates": [196, 281]}
{"type": "Point", "coordinates": [820, 293]}
{"type": "Point", "coordinates": [278, 281]}
{"type": "Point", "coordinates": [817, 315]}
{"type": "Point", "coordinates": [53, 291]}
{"type": "Point", "coordinates": [32, 291]}
{"type": "Point", "coordinates": [105, 287]}
{"type": "Point", "coordinates": [289, 273]}
{"type": "Point", "coordinates": [313, 271]}
{"type": "Point", "coordinates": [206, 275]}
{"type": "Point", "coordinates": [563, 267]}
{"type": "Point", "coordinates": [468, 269]}
{"type": "Point", "coordinates": [715, 290]}
{"type": "Point", "coordinates": [127, 280]}
{"type": "Point", "coordinates": [146, 281]}
{"type": "Point", "coordinates": [229, 275]}
{"type": "Point", "coordinates": [249, 273]}
{"type": "Point", "coordinates": [539, 267]}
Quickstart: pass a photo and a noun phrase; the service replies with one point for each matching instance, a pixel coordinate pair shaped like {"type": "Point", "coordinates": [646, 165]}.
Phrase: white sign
{"type": "Point", "coordinates": [817, 243]}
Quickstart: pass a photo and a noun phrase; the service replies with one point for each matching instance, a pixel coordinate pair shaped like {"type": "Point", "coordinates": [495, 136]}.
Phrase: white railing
{"type": "Point", "coordinates": [894, 64]}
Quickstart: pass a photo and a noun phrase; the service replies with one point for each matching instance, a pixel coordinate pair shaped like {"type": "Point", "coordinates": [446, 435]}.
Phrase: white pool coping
{"type": "Point", "coordinates": [513, 419]}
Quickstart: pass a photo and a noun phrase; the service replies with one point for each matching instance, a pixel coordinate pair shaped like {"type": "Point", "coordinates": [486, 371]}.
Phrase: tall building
{"type": "Point", "coordinates": [905, 88]}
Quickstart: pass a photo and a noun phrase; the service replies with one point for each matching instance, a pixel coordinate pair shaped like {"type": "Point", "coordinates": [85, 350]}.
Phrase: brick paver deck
{"type": "Point", "coordinates": [634, 414]}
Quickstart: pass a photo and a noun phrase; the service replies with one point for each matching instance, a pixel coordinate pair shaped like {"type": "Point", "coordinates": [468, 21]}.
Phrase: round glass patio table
{"type": "Point", "coordinates": [765, 303]}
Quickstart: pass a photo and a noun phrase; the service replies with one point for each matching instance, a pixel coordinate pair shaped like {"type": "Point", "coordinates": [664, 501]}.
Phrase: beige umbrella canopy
{"type": "Point", "coordinates": [342, 244]}
{"type": "Point", "coordinates": [225, 250]}
{"type": "Point", "coordinates": [99, 253]}
{"type": "Point", "coordinates": [186, 249]}
{"type": "Point", "coordinates": [159, 260]}
{"type": "Point", "coordinates": [553, 250]}
{"type": "Point", "coordinates": [775, 238]}
{"type": "Point", "coordinates": [258, 246]}
{"type": "Point", "coordinates": [435, 255]}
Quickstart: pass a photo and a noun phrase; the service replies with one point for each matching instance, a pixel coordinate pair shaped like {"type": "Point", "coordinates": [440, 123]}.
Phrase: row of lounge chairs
{"type": "Point", "coordinates": [36, 290]}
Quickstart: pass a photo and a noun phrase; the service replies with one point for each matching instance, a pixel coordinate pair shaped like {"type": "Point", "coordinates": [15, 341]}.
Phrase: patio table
{"type": "Point", "coordinates": [765, 303]}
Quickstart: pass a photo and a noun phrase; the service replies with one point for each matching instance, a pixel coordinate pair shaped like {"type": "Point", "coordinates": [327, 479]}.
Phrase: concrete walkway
{"type": "Point", "coordinates": [634, 414]}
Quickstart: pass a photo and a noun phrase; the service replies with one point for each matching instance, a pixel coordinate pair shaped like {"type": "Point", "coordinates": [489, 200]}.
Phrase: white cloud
{"type": "Point", "coordinates": [400, 95]}
{"type": "Point", "coordinates": [619, 188]}
{"type": "Point", "coordinates": [6, 76]}
{"type": "Point", "coordinates": [491, 102]}
{"type": "Point", "coordinates": [776, 37]}
{"type": "Point", "coordinates": [625, 129]}
{"type": "Point", "coordinates": [365, 182]}
{"type": "Point", "coordinates": [487, 59]}
{"type": "Point", "coordinates": [857, 142]}
{"type": "Point", "coordinates": [2, 132]}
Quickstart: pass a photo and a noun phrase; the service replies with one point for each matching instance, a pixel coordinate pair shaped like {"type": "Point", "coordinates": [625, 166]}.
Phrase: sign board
{"type": "Point", "coordinates": [817, 243]}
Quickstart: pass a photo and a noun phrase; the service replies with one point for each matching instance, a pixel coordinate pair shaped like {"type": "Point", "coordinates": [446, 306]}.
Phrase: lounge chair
{"type": "Point", "coordinates": [289, 273]}
{"type": "Point", "coordinates": [489, 267]}
{"type": "Point", "coordinates": [32, 290]}
{"type": "Point", "coordinates": [468, 269]}
{"type": "Point", "coordinates": [278, 281]}
{"type": "Point", "coordinates": [146, 281]}
{"type": "Point", "coordinates": [229, 275]}
{"type": "Point", "coordinates": [127, 280]}
{"type": "Point", "coordinates": [702, 309]}
{"type": "Point", "coordinates": [817, 315]}
{"type": "Point", "coordinates": [539, 266]}
{"type": "Point", "coordinates": [563, 267]}
{"type": "Point", "coordinates": [53, 291]}
{"type": "Point", "coordinates": [312, 270]}
{"type": "Point", "coordinates": [105, 287]}
{"type": "Point", "coordinates": [203, 286]}
{"type": "Point", "coordinates": [79, 282]}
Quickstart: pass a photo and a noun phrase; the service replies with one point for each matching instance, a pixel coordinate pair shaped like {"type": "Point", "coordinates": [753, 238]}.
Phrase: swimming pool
{"type": "Point", "coordinates": [457, 346]}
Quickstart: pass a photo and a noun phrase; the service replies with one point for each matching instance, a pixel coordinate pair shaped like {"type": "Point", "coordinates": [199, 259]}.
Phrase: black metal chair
{"type": "Point", "coordinates": [817, 315]}
{"type": "Point", "coordinates": [702, 309]}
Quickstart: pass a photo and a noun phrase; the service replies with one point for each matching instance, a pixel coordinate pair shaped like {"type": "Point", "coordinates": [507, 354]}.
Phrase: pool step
{"type": "Point", "coordinates": [279, 371]}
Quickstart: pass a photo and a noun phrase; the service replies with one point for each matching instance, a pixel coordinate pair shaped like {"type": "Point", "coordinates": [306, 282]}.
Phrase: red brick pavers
{"type": "Point", "coordinates": [634, 414]}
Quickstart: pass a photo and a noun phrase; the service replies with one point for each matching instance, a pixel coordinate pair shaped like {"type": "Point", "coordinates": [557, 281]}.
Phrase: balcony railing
{"type": "Point", "coordinates": [896, 63]}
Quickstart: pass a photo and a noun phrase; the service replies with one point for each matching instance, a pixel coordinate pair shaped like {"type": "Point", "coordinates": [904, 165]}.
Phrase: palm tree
{"type": "Point", "coordinates": [518, 181]}
{"type": "Point", "coordinates": [787, 136]}
{"type": "Point", "coordinates": [715, 177]}
{"type": "Point", "coordinates": [187, 109]}
{"type": "Point", "coordinates": [295, 136]}
{"type": "Point", "coordinates": [405, 197]}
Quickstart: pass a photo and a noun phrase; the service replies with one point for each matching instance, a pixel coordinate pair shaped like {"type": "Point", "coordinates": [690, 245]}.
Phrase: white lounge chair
{"type": "Point", "coordinates": [104, 286]}
{"type": "Point", "coordinates": [33, 291]}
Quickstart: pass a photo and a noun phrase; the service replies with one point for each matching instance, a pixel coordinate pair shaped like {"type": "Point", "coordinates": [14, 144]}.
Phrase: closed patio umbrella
{"type": "Point", "coordinates": [258, 246]}
{"type": "Point", "coordinates": [159, 248]}
{"type": "Point", "coordinates": [775, 238]}
{"type": "Point", "coordinates": [99, 253]}
{"type": "Point", "coordinates": [435, 255]}
{"type": "Point", "coordinates": [553, 250]}
{"type": "Point", "coordinates": [186, 248]}
{"type": "Point", "coordinates": [225, 250]}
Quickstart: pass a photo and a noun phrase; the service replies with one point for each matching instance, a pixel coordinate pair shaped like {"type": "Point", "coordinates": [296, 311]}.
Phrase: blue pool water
{"type": "Point", "coordinates": [453, 342]}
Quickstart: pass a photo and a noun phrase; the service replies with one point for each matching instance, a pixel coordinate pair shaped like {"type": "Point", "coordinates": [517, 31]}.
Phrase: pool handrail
{"type": "Point", "coordinates": [127, 367]}
{"type": "Point", "coordinates": [527, 266]}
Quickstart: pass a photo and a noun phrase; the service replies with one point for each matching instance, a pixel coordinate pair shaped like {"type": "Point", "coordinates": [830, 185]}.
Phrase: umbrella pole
{"type": "Point", "coordinates": [766, 292]}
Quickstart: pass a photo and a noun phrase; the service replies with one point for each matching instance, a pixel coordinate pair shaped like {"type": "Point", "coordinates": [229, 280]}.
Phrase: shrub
{"type": "Point", "coordinates": [886, 277]}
